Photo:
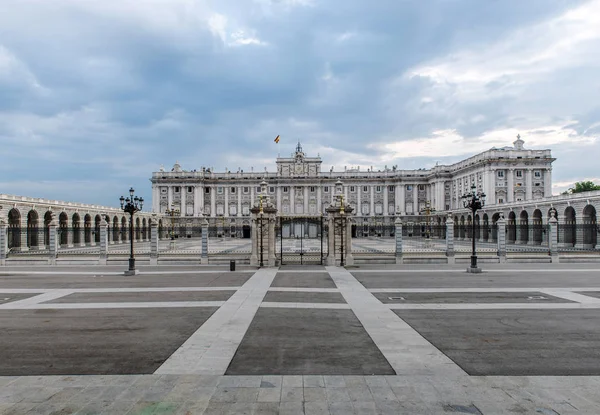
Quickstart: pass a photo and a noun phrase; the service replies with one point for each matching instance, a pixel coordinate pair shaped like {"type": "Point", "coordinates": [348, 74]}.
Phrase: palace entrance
{"type": "Point", "coordinates": [301, 240]}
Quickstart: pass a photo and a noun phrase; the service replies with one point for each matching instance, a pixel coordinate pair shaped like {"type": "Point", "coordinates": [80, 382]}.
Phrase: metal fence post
{"type": "Point", "coordinates": [398, 233]}
{"type": "Point", "coordinates": [553, 239]}
{"type": "Point", "coordinates": [204, 256]}
{"type": "Point", "coordinates": [103, 242]}
{"type": "Point", "coordinates": [3, 242]}
{"type": "Point", "coordinates": [52, 242]}
{"type": "Point", "coordinates": [154, 243]}
{"type": "Point", "coordinates": [450, 240]}
{"type": "Point", "coordinates": [501, 239]}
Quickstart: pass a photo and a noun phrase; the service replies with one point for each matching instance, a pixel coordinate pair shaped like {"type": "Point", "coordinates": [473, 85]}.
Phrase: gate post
{"type": "Point", "coordinates": [52, 241]}
{"type": "Point", "coordinates": [3, 241]}
{"type": "Point", "coordinates": [254, 236]}
{"type": "Point", "coordinates": [398, 233]}
{"type": "Point", "coordinates": [552, 239]}
{"type": "Point", "coordinates": [103, 241]}
{"type": "Point", "coordinates": [204, 255]}
{"type": "Point", "coordinates": [271, 258]}
{"type": "Point", "coordinates": [349, 260]}
{"type": "Point", "coordinates": [501, 239]}
{"type": "Point", "coordinates": [154, 242]}
{"type": "Point", "coordinates": [450, 240]}
{"type": "Point", "coordinates": [330, 260]}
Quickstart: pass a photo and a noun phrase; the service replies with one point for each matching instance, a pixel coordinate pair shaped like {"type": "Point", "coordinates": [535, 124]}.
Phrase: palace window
{"type": "Point", "coordinates": [537, 174]}
{"type": "Point", "coordinates": [232, 210]}
{"type": "Point", "coordinates": [391, 188]}
{"type": "Point", "coordinates": [207, 190]}
{"type": "Point", "coordinates": [271, 189]}
{"type": "Point", "coordinates": [326, 189]}
{"type": "Point", "coordinates": [365, 209]}
{"type": "Point", "coordinates": [219, 190]}
{"type": "Point", "coordinates": [233, 190]}
{"type": "Point", "coordinates": [246, 190]}
{"type": "Point", "coordinates": [246, 210]}
{"type": "Point", "coordinates": [366, 189]}
{"type": "Point", "coordinates": [352, 189]}
{"type": "Point", "coordinates": [421, 187]}
{"type": "Point", "coordinates": [190, 189]}
{"type": "Point", "coordinates": [176, 189]}
{"type": "Point", "coordinates": [286, 189]}
{"type": "Point", "coordinates": [220, 210]}
{"type": "Point", "coordinates": [409, 187]}
{"type": "Point", "coordinates": [378, 189]}
{"type": "Point", "coordinates": [312, 189]}
{"type": "Point", "coordinates": [519, 173]}
{"type": "Point", "coordinates": [500, 200]}
{"type": "Point", "coordinates": [257, 189]}
{"type": "Point", "coordinates": [500, 173]}
{"type": "Point", "coordinates": [378, 209]}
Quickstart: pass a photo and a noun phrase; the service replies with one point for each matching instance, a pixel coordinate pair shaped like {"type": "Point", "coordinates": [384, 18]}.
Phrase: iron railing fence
{"type": "Point", "coordinates": [423, 237]}
{"type": "Point", "coordinates": [486, 238]}
{"type": "Point", "coordinates": [527, 238]}
{"type": "Point", "coordinates": [301, 240]}
{"type": "Point", "coordinates": [578, 237]}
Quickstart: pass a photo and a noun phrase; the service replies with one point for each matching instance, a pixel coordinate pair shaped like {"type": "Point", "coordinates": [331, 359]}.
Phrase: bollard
{"type": "Point", "coordinates": [231, 265]}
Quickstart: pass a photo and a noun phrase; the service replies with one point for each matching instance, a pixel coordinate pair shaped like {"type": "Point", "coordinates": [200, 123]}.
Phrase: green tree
{"type": "Point", "coordinates": [586, 186]}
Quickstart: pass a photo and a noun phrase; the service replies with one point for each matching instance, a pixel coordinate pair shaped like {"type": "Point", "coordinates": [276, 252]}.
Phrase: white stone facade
{"type": "Point", "coordinates": [299, 187]}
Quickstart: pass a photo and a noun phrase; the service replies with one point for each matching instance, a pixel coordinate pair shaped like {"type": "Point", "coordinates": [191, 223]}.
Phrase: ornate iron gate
{"type": "Point", "coordinates": [301, 240]}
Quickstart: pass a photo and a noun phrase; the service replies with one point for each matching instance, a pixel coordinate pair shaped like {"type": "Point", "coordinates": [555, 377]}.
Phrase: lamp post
{"type": "Point", "coordinates": [262, 196]}
{"type": "Point", "coordinates": [474, 201]}
{"type": "Point", "coordinates": [131, 205]}
{"type": "Point", "coordinates": [339, 194]}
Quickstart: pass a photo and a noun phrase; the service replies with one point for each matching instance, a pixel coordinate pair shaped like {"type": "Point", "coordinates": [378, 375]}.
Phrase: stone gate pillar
{"type": "Point", "coordinates": [450, 240]}
{"type": "Point", "coordinates": [103, 241]}
{"type": "Point", "coordinates": [264, 218]}
{"type": "Point", "coordinates": [204, 255]}
{"type": "Point", "coordinates": [3, 241]}
{"type": "Point", "coordinates": [398, 234]}
{"type": "Point", "coordinates": [501, 239]}
{"type": "Point", "coordinates": [154, 243]}
{"type": "Point", "coordinates": [52, 241]}
{"type": "Point", "coordinates": [553, 239]}
{"type": "Point", "coordinates": [272, 258]}
{"type": "Point", "coordinates": [340, 223]}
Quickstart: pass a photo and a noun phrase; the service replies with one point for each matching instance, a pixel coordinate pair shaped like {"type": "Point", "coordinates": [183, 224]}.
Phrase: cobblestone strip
{"type": "Point", "coordinates": [405, 349]}
{"type": "Point", "coordinates": [210, 349]}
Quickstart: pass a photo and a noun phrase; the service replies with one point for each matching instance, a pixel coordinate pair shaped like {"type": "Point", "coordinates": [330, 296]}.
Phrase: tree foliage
{"type": "Point", "coordinates": [586, 186]}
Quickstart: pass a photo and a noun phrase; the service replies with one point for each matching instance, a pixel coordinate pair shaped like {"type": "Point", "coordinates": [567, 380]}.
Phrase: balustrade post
{"type": "Point", "coordinates": [450, 240]}
{"type": "Point", "coordinates": [553, 239]}
{"type": "Point", "coordinates": [153, 243]}
{"type": "Point", "coordinates": [103, 242]}
{"type": "Point", "coordinates": [501, 239]}
{"type": "Point", "coordinates": [3, 242]}
{"type": "Point", "coordinates": [398, 234]}
{"type": "Point", "coordinates": [52, 242]}
{"type": "Point", "coordinates": [204, 256]}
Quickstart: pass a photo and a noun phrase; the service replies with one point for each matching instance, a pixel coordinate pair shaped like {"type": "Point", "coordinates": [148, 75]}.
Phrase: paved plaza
{"type": "Point", "coordinates": [516, 339]}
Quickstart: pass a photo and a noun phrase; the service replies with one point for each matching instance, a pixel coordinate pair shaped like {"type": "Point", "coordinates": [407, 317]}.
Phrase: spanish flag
{"type": "Point", "coordinates": [276, 139]}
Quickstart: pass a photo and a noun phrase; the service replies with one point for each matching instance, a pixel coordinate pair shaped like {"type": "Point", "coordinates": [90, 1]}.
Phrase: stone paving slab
{"type": "Point", "coordinates": [110, 341]}
{"type": "Point", "coordinates": [307, 341]}
{"type": "Point", "coordinates": [514, 342]}
{"type": "Point", "coordinates": [163, 296]}
{"type": "Point", "coordinates": [469, 297]}
{"type": "Point", "coordinates": [303, 280]}
{"type": "Point", "coordinates": [304, 297]}
{"type": "Point", "coordinates": [10, 297]}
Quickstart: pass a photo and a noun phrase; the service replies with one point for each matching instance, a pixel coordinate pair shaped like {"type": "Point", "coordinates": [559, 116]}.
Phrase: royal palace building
{"type": "Point", "coordinates": [300, 187]}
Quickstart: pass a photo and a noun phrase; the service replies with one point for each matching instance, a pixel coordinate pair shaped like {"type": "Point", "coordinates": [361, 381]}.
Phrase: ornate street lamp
{"type": "Point", "coordinates": [339, 194]}
{"type": "Point", "coordinates": [131, 205]}
{"type": "Point", "coordinates": [474, 201]}
{"type": "Point", "coordinates": [262, 196]}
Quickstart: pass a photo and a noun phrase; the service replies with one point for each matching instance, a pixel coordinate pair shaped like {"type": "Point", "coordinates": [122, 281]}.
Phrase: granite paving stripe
{"type": "Point", "coordinates": [210, 349]}
{"type": "Point", "coordinates": [163, 296]}
{"type": "Point", "coordinates": [591, 293]}
{"type": "Point", "coordinates": [403, 347]}
{"type": "Point", "coordinates": [569, 295]}
{"type": "Point", "coordinates": [307, 342]}
{"type": "Point", "coordinates": [73, 306]}
{"type": "Point", "coordinates": [304, 297]}
{"type": "Point", "coordinates": [304, 290]}
{"type": "Point", "coordinates": [495, 306]}
{"type": "Point", "coordinates": [482, 297]}
{"type": "Point", "coordinates": [71, 342]}
{"type": "Point", "coordinates": [303, 280]}
{"type": "Point", "coordinates": [10, 297]}
{"type": "Point", "coordinates": [514, 342]}
{"type": "Point", "coordinates": [332, 306]}
{"type": "Point", "coordinates": [479, 290]}
{"type": "Point", "coordinates": [34, 300]}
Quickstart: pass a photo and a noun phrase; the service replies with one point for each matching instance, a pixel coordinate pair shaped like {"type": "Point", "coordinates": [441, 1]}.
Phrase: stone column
{"type": "Point", "coordinates": [398, 234]}
{"type": "Point", "coordinates": [359, 200]}
{"type": "Point", "coordinates": [255, 237]}
{"type": "Point", "coordinates": [271, 258]}
{"type": "Point", "coordinates": [226, 212]}
{"type": "Point", "coordinates": [154, 243]}
{"type": "Point", "coordinates": [548, 183]}
{"type": "Point", "coordinates": [372, 207]}
{"type": "Point", "coordinates": [401, 199]}
{"type": "Point", "coordinates": [103, 241]}
{"type": "Point", "coordinates": [305, 193]}
{"type": "Point", "coordinates": [319, 204]}
{"type": "Point", "coordinates": [213, 201]}
{"type": "Point", "coordinates": [52, 242]}
{"type": "Point", "coordinates": [182, 201]}
{"type": "Point", "coordinates": [292, 190]}
{"type": "Point", "coordinates": [553, 239]}
{"type": "Point", "coordinates": [415, 199]}
{"type": "Point", "coordinates": [450, 240]}
{"type": "Point", "coordinates": [510, 186]}
{"type": "Point", "coordinates": [349, 258]}
{"type": "Point", "coordinates": [501, 239]}
{"type": "Point", "coordinates": [385, 199]}
{"type": "Point", "coordinates": [23, 232]}
{"type": "Point", "coordinates": [170, 197]}
{"type": "Point", "coordinates": [204, 256]}
{"type": "Point", "coordinates": [3, 242]}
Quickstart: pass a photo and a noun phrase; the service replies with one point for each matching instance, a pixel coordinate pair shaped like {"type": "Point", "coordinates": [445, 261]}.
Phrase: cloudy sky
{"type": "Point", "coordinates": [96, 94]}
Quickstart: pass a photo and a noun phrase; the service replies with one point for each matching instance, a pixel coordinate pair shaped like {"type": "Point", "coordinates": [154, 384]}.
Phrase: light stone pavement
{"type": "Point", "coordinates": [191, 381]}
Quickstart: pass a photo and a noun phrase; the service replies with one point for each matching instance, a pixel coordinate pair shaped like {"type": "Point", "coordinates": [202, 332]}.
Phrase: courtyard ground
{"type": "Point", "coordinates": [519, 338]}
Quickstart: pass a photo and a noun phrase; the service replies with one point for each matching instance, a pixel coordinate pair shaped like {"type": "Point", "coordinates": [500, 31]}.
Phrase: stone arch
{"type": "Point", "coordinates": [511, 228]}
{"type": "Point", "coordinates": [124, 234]}
{"type": "Point", "coordinates": [590, 227]}
{"type": "Point", "coordinates": [87, 229]}
{"type": "Point", "coordinates": [75, 228]}
{"type": "Point", "coordinates": [570, 227]}
{"type": "Point", "coordinates": [47, 221]}
{"type": "Point", "coordinates": [115, 235]}
{"type": "Point", "coordinates": [523, 228]}
{"type": "Point", "coordinates": [97, 221]}
{"type": "Point", "coordinates": [63, 229]}
{"type": "Point", "coordinates": [537, 227]}
{"type": "Point", "coordinates": [137, 229]}
{"type": "Point", "coordinates": [32, 229]}
{"type": "Point", "coordinates": [14, 229]}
